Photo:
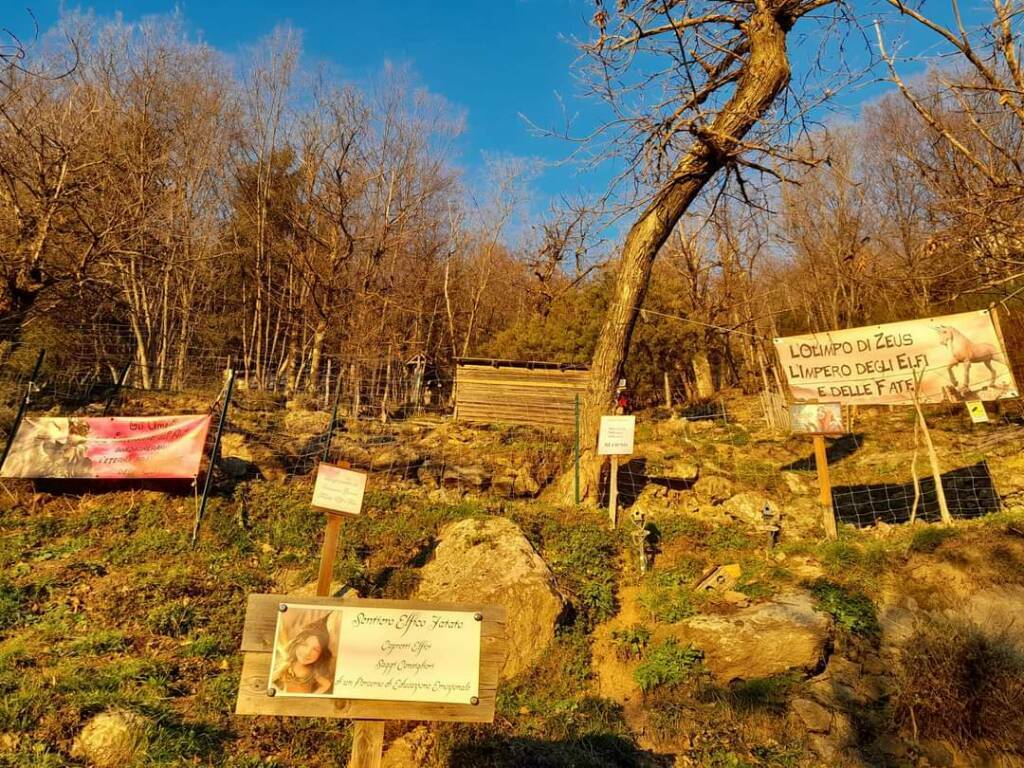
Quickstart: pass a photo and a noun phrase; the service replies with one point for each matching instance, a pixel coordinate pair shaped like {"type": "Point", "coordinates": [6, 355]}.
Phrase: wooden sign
{"type": "Point", "coordinates": [976, 409]}
{"type": "Point", "coordinates": [392, 654]}
{"type": "Point", "coordinates": [615, 437]}
{"type": "Point", "coordinates": [338, 490]}
{"type": "Point", "coordinates": [385, 660]}
{"type": "Point", "coordinates": [816, 419]}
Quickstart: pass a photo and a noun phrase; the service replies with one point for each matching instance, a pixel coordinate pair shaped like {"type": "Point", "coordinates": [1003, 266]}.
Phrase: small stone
{"type": "Point", "coordinates": [735, 598]}
{"type": "Point", "coordinates": [112, 739]}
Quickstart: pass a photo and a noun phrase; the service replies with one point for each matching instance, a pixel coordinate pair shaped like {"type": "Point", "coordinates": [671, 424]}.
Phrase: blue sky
{"type": "Point", "coordinates": [496, 59]}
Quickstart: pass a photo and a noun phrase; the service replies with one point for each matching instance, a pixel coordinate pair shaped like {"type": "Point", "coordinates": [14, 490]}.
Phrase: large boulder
{"type": "Point", "coordinates": [713, 489]}
{"type": "Point", "coordinates": [488, 560]}
{"type": "Point", "coordinates": [782, 635]}
{"type": "Point", "coordinates": [112, 739]}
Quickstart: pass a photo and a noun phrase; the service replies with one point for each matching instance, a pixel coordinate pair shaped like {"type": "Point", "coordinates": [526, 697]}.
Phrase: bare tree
{"type": "Point", "coordinates": [688, 82]}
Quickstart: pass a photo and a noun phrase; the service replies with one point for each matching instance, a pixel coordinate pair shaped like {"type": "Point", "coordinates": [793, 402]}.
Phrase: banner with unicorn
{"type": "Point", "coordinates": [943, 359]}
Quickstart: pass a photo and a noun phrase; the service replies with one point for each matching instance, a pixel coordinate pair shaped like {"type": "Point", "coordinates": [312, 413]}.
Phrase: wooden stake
{"type": "Point", "coordinates": [367, 744]}
{"type": "Point", "coordinates": [668, 391]}
{"type": "Point", "coordinates": [368, 735]}
{"type": "Point", "coordinates": [933, 459]}
{"type": "Point", "coordinates": [825, 485]}
{"type": "Point", "coordinates": [327, 554]}
{"type": "Point", "coordinates": [613, 492]}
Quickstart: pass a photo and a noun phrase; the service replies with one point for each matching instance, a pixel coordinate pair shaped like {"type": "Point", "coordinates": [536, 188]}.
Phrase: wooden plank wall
{"type": "Point", "coordinates": [513, 395]}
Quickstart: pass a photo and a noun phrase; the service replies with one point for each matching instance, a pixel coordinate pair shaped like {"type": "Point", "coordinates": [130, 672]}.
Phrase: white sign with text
{"type": "Point", "coordinates": [339, 490]}
{"type": "Point", "coordinates": [616, 435]}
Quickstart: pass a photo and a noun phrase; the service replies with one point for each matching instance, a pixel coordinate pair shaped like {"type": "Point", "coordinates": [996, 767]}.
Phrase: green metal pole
{"type": "Point", "coordinates": [117, 387]}
{"type": "Point", "coordinates": [213, 456]}
{"type": "Point", "coordinates": [24, 406]}
{"type": "Point", "coordinates": [576, 451]}
{"type": "Point", "coordinates": [334, 415]}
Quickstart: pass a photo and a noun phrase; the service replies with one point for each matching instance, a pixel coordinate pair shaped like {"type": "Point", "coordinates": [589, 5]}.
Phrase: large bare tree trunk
{"type": "Point", "coordinates": [764, 76]}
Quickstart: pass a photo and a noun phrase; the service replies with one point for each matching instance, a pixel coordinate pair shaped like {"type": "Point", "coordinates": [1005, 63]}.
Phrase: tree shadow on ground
{"type": "Point", "coordinates": [592, 751]}
{"type": "Point", "coordinates": [836, 449]}
{"type": "Point", "coordinates": [970, 492]}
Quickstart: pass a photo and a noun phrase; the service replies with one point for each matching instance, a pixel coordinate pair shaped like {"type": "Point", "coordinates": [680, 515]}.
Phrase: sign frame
{"type": "Point", "coordinates": [258, 643]}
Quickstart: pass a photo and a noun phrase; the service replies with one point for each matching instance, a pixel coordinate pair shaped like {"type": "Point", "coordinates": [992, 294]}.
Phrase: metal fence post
{"type": "Point", "coordinates": [23, 406]}
{"type": "Point", "coordinates": [576, 451]}
{"type": "Point", "coordinates": [213, 456]}
{"type": "Point", "coordinates": [334, 418]}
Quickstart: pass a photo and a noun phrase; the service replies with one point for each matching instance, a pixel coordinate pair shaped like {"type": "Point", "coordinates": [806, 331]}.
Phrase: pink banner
{"type": "Point", "coordinates": [144, 447]}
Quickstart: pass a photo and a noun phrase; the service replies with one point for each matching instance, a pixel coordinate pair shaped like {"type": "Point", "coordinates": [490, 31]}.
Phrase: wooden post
{"type": "Point", "coordinates": [668, 391]}
{"type": "Point", "coordinates": [327, 555]}
{"type": "Point", "coordinates": [367, 744]}
{"type": "Point", "coordinates": [933, 459]}
{"type": "Point", "coordinates": [368, 735]}
{"type": "Point", "coordinates": [825, 485]}
{"type": "Point", "coordinates": [613, 491]}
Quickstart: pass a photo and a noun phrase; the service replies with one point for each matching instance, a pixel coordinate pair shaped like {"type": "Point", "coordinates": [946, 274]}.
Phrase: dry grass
{"type": "Point", "coordinates": [956, 682]}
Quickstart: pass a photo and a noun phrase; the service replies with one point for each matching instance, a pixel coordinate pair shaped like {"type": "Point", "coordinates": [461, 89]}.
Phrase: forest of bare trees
{"type": "Point", "coordinates": [164, 204]}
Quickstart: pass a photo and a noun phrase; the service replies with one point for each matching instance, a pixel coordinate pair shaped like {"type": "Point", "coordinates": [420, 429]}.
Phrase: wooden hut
{"type": "Point", "coordinates": [518, 391]}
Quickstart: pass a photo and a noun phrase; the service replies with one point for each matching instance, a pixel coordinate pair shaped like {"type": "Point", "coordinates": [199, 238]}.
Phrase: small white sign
{"type": "Point", "coordinates": [339, 490]}
{"type": "Point", "coordinates": [616, 435]}
{"type": "Point", "coordinates": [384, 654]}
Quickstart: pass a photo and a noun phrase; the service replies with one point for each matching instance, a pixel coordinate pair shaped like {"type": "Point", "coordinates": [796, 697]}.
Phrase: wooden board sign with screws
{"type": "Point", "coordinates": [325, 657]}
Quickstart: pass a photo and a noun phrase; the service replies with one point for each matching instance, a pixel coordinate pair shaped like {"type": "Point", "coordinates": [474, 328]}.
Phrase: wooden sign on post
{"type": "Point", "coordinates": [615, 439]}
{"type": "Point", "coordinates": [819, 420]}
{"type": "Point", "coordinates": [367, 660]}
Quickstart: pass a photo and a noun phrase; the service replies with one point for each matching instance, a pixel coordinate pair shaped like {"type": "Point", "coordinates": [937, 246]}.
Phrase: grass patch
{"type": "Point", "coordinates": [852, 610]}
{"type": "Point", "coordinates": [668, 663]}
{"type": "Point", "coordinates": [930, 538]}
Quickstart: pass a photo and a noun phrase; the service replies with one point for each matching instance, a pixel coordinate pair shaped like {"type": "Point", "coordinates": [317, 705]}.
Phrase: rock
{"type": "Point", "coordinates": [766, 639]}
{"type": "Point", "coordinates": [796, 484]}
{"type": "Point", "coordinates": [429, 474]}
{"type": "Point", "coordinates": [713, 489]}
{"type": "Point", "coordinates": [112, 739]}
{"type": "Point", "coordinates": [811, 715]}
{"type": "Point", "coordinates": [515, 484]}
{"type": "Point", "coordinates": [898, 625]}
{"type": "Point", "coordinates": [999, 610]}
{"type": "Point", "coordinates": [462, 478]}
{"type": "Point", "coordinates": [683, 470]}
{"type": "Point", "coordinates": [735, 598]}
{"type": "Point", "coordinates": [394, 459]}
{"type": "Point", "coordinates": [489, 560]}
{"type": "Point", "coordinates": [749, 508]}
{"type": "Point", "coordinates": [338, 589]}
{"type": "Point", "coordinates": [412, 750]}
{"type": "Point", "coordinates": [236, 459]}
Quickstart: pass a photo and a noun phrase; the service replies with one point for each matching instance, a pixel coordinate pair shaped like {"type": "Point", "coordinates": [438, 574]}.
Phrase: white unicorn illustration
{"type": "Point", "coordinates": [967, 352]}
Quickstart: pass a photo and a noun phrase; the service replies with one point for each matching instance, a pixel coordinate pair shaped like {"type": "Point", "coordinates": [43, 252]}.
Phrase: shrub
{"type": "Point", "coordinates": [956, 682]}
{"type": "Point", "coordinates": [630, 643]}
{"type": "Point", "coordinates": [931, 538]}
{"type": "Point", "coordinates": [851, 609]}
{"type": "Point", "coordinates": [668, 663]}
